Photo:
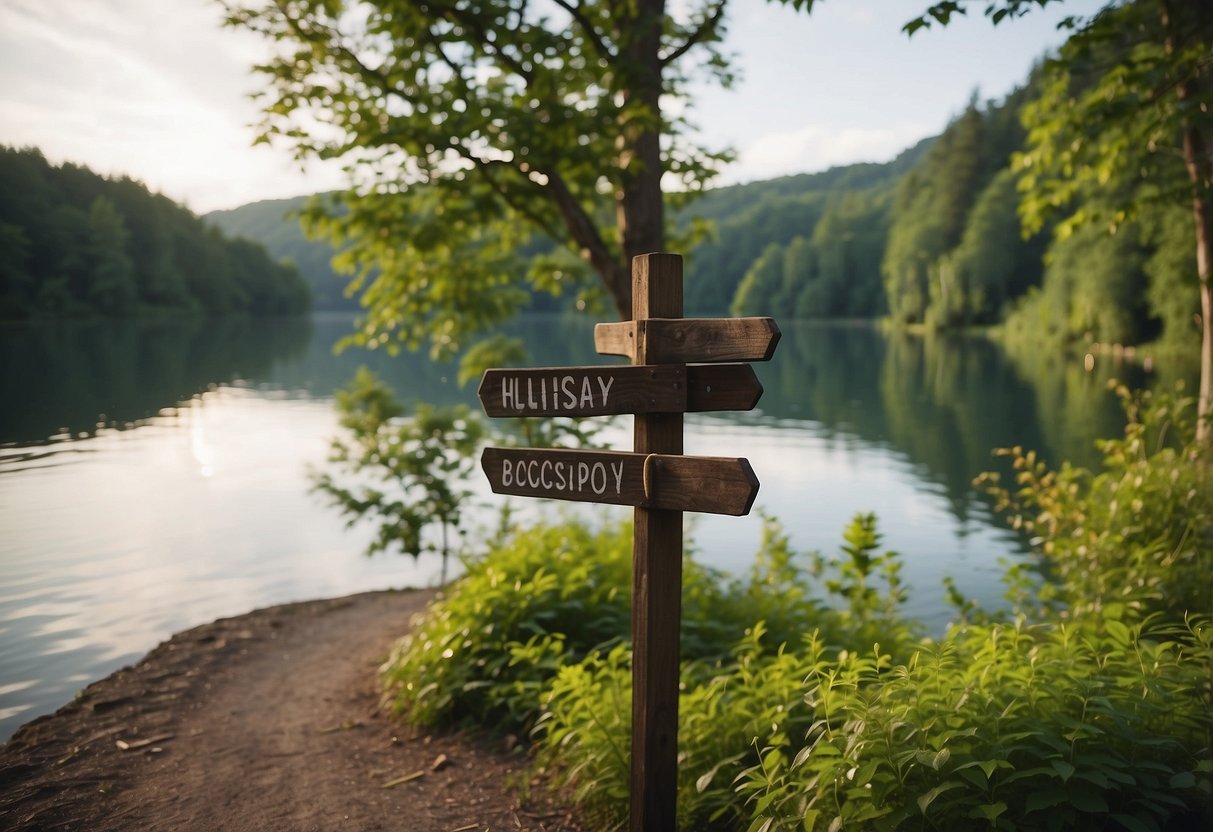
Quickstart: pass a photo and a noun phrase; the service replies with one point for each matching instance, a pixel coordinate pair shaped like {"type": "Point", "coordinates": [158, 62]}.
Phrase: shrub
{"type": "Point", "coordinates": [485, 650]}
{"type": "Point", "coordinates": [1137, 535]}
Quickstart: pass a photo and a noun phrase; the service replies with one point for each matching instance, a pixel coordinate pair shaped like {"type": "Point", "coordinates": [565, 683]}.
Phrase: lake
{"type": "Point", "coordinates": [154, 475]}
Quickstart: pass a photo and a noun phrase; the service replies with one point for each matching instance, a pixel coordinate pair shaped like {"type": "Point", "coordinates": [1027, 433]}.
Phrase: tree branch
{"type": "Point", "coordinates": [454, 14]}
{"type": "Point", "coordinates": [706, 29]}
{"type": "Point", "coordinates": [594, 249]}
{"type": "Point", "coordinates": [587, 27]}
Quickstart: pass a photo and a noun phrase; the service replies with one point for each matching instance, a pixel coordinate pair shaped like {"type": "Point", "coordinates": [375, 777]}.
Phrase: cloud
{"type": "Point", "coordinates": [808, 149]}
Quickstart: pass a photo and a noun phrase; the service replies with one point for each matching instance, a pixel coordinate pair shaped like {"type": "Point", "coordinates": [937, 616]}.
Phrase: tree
{"type": "Point", "coordinates": [471, 128]}
{"type": "Point", "coordinates": [111, 288]}
{"type": "Point", "coordinates": [417, 463]}
{"type": "Point", "coordinates": [1129, 98]}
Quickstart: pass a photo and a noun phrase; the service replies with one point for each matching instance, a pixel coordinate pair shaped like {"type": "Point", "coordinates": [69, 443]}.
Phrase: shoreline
{"type": "Point", "coordinates": [267, 720]}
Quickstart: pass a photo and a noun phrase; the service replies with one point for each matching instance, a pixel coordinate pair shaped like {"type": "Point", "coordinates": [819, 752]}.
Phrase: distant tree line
{"type": "Point", "coordinates": [941, 245]}
{"type": "Point", "coordinates": [76, 244]}
{"type": "Point", "coordinates": [933, 238]}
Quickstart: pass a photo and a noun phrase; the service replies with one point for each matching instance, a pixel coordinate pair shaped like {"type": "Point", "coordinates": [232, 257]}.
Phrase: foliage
{"type": "Point", "coordinates": [1049, 726]}
{"type": "Point", "coordinates": [869, 615]}
{"type": "Point", "coordinates": [744, 220]}
{"type": "Point", "coordinates": [1126, 115]}
{"type": "Point", "coordinates": [832, 271]}
{"type": "Point", "coordinates": [474, 130]}
{"type": "Point", "coordinates": [274, 223]}
{"type": "Point", "coordinates": [416, 467]}
{"type": "Point", "coordinates": [1089, 704]}
{"type": "Point", "coordinates": [78, 244]}
{"type": "Point", "coordinates": [1138, 535]}
{"type": "Point", "coordinates": [484, 651]}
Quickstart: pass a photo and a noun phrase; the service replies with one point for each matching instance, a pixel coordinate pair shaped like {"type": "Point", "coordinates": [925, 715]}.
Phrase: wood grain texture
{"type": "Point", "coordinates": [584, 391]}
{"type": "Point", "coordinates": [722, 387]}
{"type": "Point", "coordinates": [689, 340]}
{"type": "Point", "coordinates": [615, 390]}
{"type": "Point", "coordinates": [711, 485]}
{"type": "Point", "coordinates": [656, 583]}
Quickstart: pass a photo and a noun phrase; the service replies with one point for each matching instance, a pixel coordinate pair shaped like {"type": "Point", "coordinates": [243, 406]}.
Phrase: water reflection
{"type": "Point", "coordinates": [203, 508]}
{"type": "Point", "coordinates": [66, 379]}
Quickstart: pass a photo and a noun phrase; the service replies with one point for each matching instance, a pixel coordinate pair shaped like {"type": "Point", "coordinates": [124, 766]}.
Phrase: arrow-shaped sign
{"type": "Point", "coordinates": [605, 391]}
{"type": "Point", "coordinates": [690, 340]}
{"type": "Point", "coordinates": [584, 391]}
{"type": "Point", "coordinates": [716, 485]}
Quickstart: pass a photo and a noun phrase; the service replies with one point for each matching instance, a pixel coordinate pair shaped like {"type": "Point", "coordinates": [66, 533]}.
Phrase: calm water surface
{"type": "Point", "coordinates": [154, 476]}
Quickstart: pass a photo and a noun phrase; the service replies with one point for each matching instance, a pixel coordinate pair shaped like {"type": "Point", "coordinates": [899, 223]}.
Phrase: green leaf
{"type": "Point", "coordinates": [1183, 780]}
{"type": "Point", "coordinates": [1134, 824]}
{"type": "Point", "coordinates": [927, 799]}
{"type": "Point", "coordinates": [1044, 799]}
{"type": "Point", "coordinates": [1063, 768]}
{"type": "Point", "coordinates": [989, 811]}
{"type": "Point", "coordinates": [1118, 631]}
{"type": "Point", "coordinates": [1086, 798]}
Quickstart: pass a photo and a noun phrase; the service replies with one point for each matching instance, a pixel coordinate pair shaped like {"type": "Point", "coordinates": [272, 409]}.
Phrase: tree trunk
{"type": "Point", "coordinates": [1200, 173]}
{"type": "Point", "coordinates": [1203, 211]}
{"type": "Point", "coordinates": [638, 201]}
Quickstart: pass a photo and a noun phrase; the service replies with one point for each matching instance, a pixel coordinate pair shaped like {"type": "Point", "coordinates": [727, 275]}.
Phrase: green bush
{"type": "Point", "coordinates": [1053, 726]}
{"type": "Point", "coordinates": [1088, 707]}
{"type": "Point", "coordinates": [484, 651]}
{"type": "Point", "coordinates": [1137, 536]}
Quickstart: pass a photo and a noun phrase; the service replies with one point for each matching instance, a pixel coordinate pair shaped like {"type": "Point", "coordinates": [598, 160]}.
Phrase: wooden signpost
{"type": "Point", "coordinates": [676, 368]}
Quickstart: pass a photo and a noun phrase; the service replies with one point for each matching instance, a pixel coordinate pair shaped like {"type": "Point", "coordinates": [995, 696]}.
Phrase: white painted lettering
{"type": "Point", "coordinates": [507, 473]}
{"type": "Point", "coordinates": [507, 393]}
{"type": "Point", "coordinates": [560, 475]}
{"type": "Point", "coordinates": [543, 474]}
{"type": "Point", "coordinates": [598, 468]}
{"type": "Point", "coordinates": [583, 475]}
{"type": "Point", "coordinates": [530, 396]}
{"type": "Point", "coordinates": [606, 388]}
{"type": "Point", "coordinates": [587, 392]}
{"type": "Point", "coordinates": [566, 387]}
{"type": "Point", "coordinates": [618, 472]}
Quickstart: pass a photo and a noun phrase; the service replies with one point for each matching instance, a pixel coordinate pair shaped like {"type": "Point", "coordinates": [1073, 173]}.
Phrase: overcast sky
{"type": "Point", "coordinates": [155, 89]}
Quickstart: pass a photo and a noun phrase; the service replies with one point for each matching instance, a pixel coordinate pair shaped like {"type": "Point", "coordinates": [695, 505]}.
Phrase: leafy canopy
{"type": "Point", "coordinates": [486, 141]}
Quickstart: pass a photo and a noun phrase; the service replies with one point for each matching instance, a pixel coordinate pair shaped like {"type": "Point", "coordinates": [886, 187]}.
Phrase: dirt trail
{"type": "Point", "coordinates": [268, 721]}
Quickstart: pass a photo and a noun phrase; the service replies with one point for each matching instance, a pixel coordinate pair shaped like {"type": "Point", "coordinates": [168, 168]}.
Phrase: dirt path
{"type": "Point", "coordinates": [268, 721]}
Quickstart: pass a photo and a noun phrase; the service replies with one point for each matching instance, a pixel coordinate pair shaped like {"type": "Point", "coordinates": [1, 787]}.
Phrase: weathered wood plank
{"type": "Point", "coordinates": [607, 390]}
{"type": "Point", "coordinates": [689, 340]}
{"type": "Point", "coordinates": [656, 581]}
{"type": "Point", "coordinates": [672, 482]}
{"type": "Point", "coordinates": [722, 387]}
{"type": "Point", "coordinates": [585, 391]}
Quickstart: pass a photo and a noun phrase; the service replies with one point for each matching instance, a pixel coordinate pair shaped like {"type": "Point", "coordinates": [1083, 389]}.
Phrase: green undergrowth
{"type": "Point", "coordinates": [809, 702]}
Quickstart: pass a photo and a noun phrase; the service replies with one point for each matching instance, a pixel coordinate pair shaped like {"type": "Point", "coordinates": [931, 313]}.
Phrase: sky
{"type": "Point", "coordinates": [159, 91]}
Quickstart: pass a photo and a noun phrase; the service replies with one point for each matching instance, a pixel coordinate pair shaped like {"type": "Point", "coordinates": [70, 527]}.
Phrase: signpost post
{"type": "Point", "coordinates": [675, 369]}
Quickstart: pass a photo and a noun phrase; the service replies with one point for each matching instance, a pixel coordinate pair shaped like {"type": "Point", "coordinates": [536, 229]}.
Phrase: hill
{"type": "Point", "coordinates": [77, 244]}
{"type": "Point", "coordinates": [272, 223]}
{"type": "Point", "coordinates": [746, 218]}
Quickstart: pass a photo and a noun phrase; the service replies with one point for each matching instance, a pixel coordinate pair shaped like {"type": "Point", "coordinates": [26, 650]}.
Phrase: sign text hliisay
{"type": "Point", "coordinates": [523, 393]}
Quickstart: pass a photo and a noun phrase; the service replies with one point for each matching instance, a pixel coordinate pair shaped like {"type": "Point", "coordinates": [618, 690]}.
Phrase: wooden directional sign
{"type": "Point", "coordinates": [584, 391]}
{"type": "Point", "coordinates": [715, 485]}
{"type": "Point", "coordinates": [689, 340]}
{"type": "Point", "coordinates": [605, 391]}
{"type": "Point", "coordinates": [677, 367]}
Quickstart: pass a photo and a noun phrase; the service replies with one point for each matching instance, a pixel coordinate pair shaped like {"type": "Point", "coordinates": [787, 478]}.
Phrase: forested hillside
{"type": "Point", "coordinates": [746, 220]}
{"type": "Point", "coordinates": [956, 254]}
{"type": "Point", "coordinates": [932, 238]}
{"type": "Point", "coordinates": [73, 243]}
{"type": "Point", "coordinates": [830, 223]}
{"type": "Point", "coordinates": [272, 223]}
